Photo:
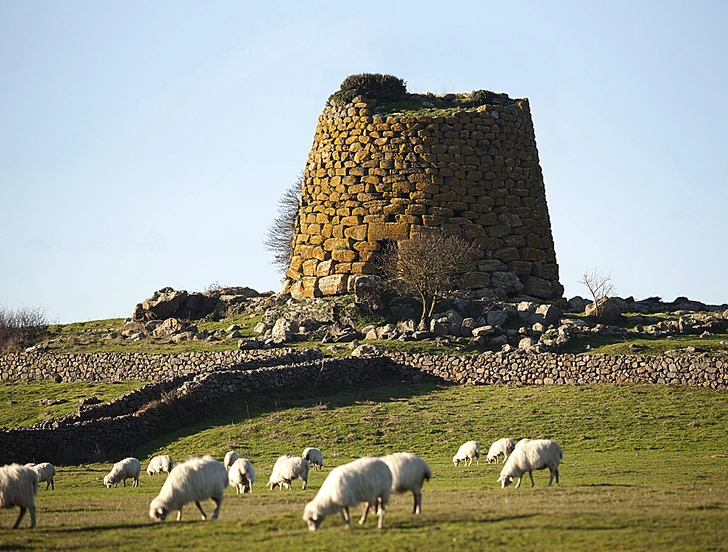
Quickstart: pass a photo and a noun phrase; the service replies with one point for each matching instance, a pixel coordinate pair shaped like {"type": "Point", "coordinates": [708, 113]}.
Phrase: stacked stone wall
{"type": "Point", "coordinates": [111, 367]}
{"type": "Point", "coordinates": [372, 178]}
{"type": "Point", "coordinates": [111, 430]}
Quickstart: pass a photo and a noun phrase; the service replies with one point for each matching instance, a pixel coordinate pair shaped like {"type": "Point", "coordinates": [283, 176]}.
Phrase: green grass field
{"type": "Point", "coordinates": [645, 468]}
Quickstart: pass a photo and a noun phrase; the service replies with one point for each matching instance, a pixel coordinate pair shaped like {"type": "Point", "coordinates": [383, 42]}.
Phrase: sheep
{"type": "Point", "coordinates": [230, 457]}
{"type": "Point", "coordinates": [18, 487]}
{"type": "Point", "coordinates": [46, 472]}
{"type": "Point", "coordinates": [409, 472]}
{"type": "Point", "coordinates": [193, 480]}
{"type": "Point", "coordinates": [314, 456]}
{"type": "Point", "coordinates": [367, 480]}
{"type": "Point", "coordinates": [536, 454]}
{"type": "Point", "coordinates": [466, 453]}
{"type": "Point", "coordinates": [241, 475]}
{"type": "Point", "coordinates": [502, 446]}
{"type": "Point", "coordinates": [128, 468]}
{"type": "Point", "coordinates": [286, 469]}
{"type": "Point", "coordinates": [159, 464]}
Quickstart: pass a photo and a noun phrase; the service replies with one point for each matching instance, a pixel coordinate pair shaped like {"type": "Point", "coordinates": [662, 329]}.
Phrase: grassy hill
{"type": "Point", "coordinates": [645, 467]}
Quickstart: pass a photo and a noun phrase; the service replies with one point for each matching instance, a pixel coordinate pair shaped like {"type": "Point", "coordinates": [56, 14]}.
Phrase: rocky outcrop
{"type": "Point", "coordinates": [220, 302]}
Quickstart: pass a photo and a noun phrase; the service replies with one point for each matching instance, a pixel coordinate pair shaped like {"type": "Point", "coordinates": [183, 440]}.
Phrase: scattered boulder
{"type": "Point", "coordinates": [604, 311]}
{"type": "Point", "coordinates": [282, 331]}
{"type": "Point", "coordinates": [367, 349]}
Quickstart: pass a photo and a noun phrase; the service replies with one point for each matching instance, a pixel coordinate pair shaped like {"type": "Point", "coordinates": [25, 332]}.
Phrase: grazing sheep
{"type": "Point", "coordinates": [286, 469]}
{"type": "Point", "coordinates": [128, 468]}
{"type": "Point", "coordinates": [409, 472]}
{"type": "Point", "coordinates": [193, 480]}
{"type": "Point", "coordinates": [46, 472]}
{"type": "Point", "coordinates": [18, 487]}
{"type": "Point", "coordinates": [314, 456]}
{"type": "Point", "coordinates": [159, 464]}
{"type": "Point", "coordinates": [367, 480]}
{"type": "Point", "coordinates": [230, 457]}
{"type": "Point", "coordinates": [241, 475]}
{"type": "Point", "coordinates": [467, 452]}
{"type": "Point", "coordinates": [536, 454]}
{"type": "Point", "coordinates": [502, 446]}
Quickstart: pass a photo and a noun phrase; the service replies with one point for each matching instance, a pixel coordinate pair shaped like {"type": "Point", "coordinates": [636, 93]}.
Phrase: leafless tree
{"type": "Point", "coordinates": [282, 231]}
{"type": "Point", "coordinates": [21, 328]}
{"type": "Point", "coordinates": [427, 265]}
{"type": "Point", "coordinates": [600, 287]}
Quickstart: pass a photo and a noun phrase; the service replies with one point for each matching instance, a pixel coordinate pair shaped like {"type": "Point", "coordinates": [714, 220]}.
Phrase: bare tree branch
{"type": "Point", "coordinates": [282, 231]}
{"type": "Point", "coordinates": [427, 265]}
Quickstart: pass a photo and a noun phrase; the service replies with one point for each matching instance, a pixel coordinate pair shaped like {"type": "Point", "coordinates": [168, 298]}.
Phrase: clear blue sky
{"type": "Point", "coordinates": [145, 144]}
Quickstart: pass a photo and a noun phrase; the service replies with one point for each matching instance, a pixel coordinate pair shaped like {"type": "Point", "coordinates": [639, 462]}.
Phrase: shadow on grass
{"type": "Point", "coordinates": [245, 407]}
{"type": "Point", "coordinates": [419, 525]}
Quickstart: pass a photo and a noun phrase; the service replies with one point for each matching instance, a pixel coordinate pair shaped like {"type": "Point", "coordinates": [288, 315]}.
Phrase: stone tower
{"type": "Point", "coordinates": [371, 178]}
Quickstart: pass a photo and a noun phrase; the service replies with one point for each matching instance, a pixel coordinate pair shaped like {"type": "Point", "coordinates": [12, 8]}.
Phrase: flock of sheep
{"type": "Point", "coordinates": [369, 481]}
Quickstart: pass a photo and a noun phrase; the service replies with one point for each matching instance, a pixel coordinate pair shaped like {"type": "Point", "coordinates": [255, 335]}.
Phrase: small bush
{"type": "Point", "coordinates": [482, 97]}
{"type": "Point", "coordinates": [374, 86]}
{"type": "Point", "coordinates": [21, 328]}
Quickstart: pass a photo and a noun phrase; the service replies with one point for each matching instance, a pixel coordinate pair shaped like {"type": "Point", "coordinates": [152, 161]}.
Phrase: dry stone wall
{"type": "Point", "coordinates": [372, 178]}
{"type": "Point", "coordinates": [111, 367]}
{"type": "Point", "coordinates": [111, 430]}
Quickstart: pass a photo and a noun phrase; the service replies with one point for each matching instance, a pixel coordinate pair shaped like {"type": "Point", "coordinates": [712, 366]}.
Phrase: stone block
{"type": "Point", "coordinates": [310, 287]}
{"type": "Point", "coordinates": [344, 255]}
{"type": "Point", "coordinates": [309, 267]}
{"type": "Point", "coordinates": [325, 268]}
{"type": "Point", "coordinates": [538, 287]}
{"type": "Point", "coordinates": [357, 233]}
{"type": "Point", "coordinates": [363, 268]}
{"type": "Point", "coordinates": [475, 280]}
{"type": "Point", "coordinates": [388, 231]}
{"type": "Point", "coordinates": [337, 243]}
{"type": "Point", "coordinates": [333, 285]}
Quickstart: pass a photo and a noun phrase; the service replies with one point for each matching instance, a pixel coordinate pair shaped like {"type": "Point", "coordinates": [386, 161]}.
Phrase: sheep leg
{"type": "Point", "coordinates": [197, 503]}
{"type": "Point", "coordinates": [418, 502]}
{"type": "Point", "coordinates": [136, 482]}
{"type": "Point", "coordinates": [218, 503]}
{"type": "Point", "coordinates": [48, 484]}
{"type": "Point", "coordinates": [346, 517]}
{"type": "Point", "coordinates": [305, 482]}
{"type": "Point", "coordinates": [367, 505]}
{"type": "Point", "coordinates": [530, 474]}
{"type": "Point", "coordinates": [519, 482]}
{"type": "Point", "coordinates": [124, 483]}
{"type": "Point", "coordinates": [381, 513]}
{"type": "Point", "coordinates": [20, 517]}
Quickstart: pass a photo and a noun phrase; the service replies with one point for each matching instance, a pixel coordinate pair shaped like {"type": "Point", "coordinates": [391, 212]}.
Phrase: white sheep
{"type": "Point", "coordinates": [286, 469]}
{"type": "Point", "coordinates": [502, 446]}
{"type": "Point", "coordinates": [46, 472]}
{"type": "Point", "coordinates": [230, 457]}
{"type": "Point", "coordinates": [18, 487]}
{"type": "Point", "coordinates": [159, 464]}
{"type": "Point", "coordinates": [466, 453]}
{"type": "Point", "coordinates": [409, 472]}
{"type": "Point", "coordinates": [241, 475]}
{"type": "Point", "coordinates": [193, 480]}
{"type": "Point", "coordinates": [533, 454]}
{"type": "Point", "coordinates": [128, 468]}
{"type": "Point", "coordinates": [367, 480]}
{"type": "Point", "coordinates": [314, 456]}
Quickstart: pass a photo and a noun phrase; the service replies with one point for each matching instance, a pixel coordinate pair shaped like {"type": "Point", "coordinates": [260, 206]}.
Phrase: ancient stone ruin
{"type": "Point", "coordinates": [373, 177]}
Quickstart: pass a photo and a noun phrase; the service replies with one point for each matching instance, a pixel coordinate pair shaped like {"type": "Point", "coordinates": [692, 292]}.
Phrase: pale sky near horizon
{"type": "Point", "coordinates": [145, 144]}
